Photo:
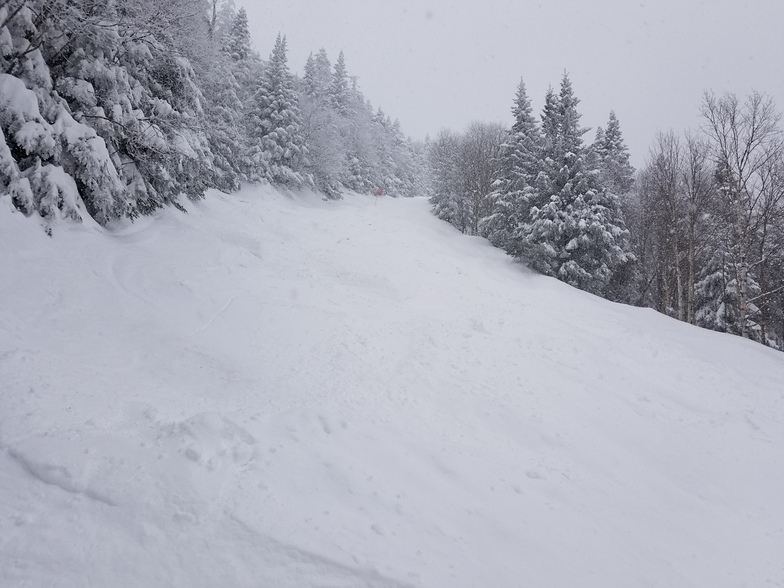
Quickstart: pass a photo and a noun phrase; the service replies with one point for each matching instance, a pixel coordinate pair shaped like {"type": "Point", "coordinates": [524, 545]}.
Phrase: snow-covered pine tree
{"type": "Point", "coordinates": [384, 145]}
{"type": "Point", "coordinates": [717, 295]}
{"type": "Point", "coordinates": [117, 98]}
{"type": "Point", "coordinates": [277, 144]}
{"type": "Point", "coordinates": [515, 192]}
{"type": "Point", "coordinates": [578, 235]}
{"type": "Point", "coordinates": [225, 73]}
{"type": "Point", "coordinates": [326, 151]}
{"type": "Point", "coordinates": [149, 107]}
{"type": "Point", "coordinates": [237, 41]}
{"type": "Point", "coordinates": [309, 85]}
{"type": "Point", "coordinates": [361, 140]}
{"type": "Point", "coordinates": [406, 168]}
{"type": "Point", "coordinates": [598, 143]}
{"type": "Point", "coordinates": [348, 145]}
{"type": "Point", "coordinates": [445, 200]}
{"type": "Point", "coordinates": [421, 168]}
{"type": "Point", "coordinates": [617, 176]}
{"type": "Point", "coordinates": [224, 129]}
{"type": "Point", "coordinates": [395, 169]}
{"type": "Point", "coordinates": [340, 91]}
{"type": "Point", "coordinates": [613, 155]}
{"type": "Point", "coordinates": [318, 78]}
{"type": "Point", "coordinates": [50, 163]}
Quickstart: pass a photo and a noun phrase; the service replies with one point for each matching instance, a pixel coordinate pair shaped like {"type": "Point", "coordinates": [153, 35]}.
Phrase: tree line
{"type": "Point", "coordinates": [697, 234]}
{"type": "Point", "coordinates": [114, 108]}
{"type": "Point", "coordinates": [708, 218]}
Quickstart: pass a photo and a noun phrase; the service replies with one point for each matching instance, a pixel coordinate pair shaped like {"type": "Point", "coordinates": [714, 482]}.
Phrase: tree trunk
{"type": "Point", "coordinates": [690, 278]}
{"type": "Point", "coordinates": [678, 278]}
{"type": "Point", "coordinates": [743, 276]}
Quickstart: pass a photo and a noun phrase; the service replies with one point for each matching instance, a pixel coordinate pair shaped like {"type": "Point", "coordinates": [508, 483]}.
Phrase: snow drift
{"type": "Point", "coordinates": [281, 391]}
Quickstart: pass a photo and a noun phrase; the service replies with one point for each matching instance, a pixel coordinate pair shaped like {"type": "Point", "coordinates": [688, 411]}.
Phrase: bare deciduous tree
{"type": "Point", "coordinates": [480, 160]}
{"type": "Point", "coordinates": [747, 147]}
{"type": "Point", "coordinates": [697, 181]}
{"type": "Point", "coordinates": [464, 170]}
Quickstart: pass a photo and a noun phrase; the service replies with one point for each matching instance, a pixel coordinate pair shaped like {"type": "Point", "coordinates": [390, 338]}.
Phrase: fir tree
{"type": "Point", "coordinates": [111, 118]}
{"type": "Point", "coordinates": [445, 200]}
{"type": "Point", "coordinates": [238, 38]}
{"type": "Point", "coordinates": [617, 176]}
{"type": "Point", "coordinates": [278, 148]}
{"type": "Point", "coordinates": [309, 76]}
{"type": "Point", "coordinates": [326, 151]}
{"type": "Point", "coordinates": [550, 121]}
{"type": "Point", "coordinates": [515, 192]}
{"type": "Point", "coordinates": [339, 91]}
{"type": "Point", "coordinates": [717, 294]}
{"type": "Point", "coordinates": [318, 78]}
{"type": "Point", "coordinates": [224, 108]}
{"type": "Point", "coordinates": [578, 234]}
{"type": "Point", "coordinates": [613, 158]}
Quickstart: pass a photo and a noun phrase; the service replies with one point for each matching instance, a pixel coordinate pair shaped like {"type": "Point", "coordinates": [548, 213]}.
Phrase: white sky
{"type": "Point", "coordinates": [439, 63]}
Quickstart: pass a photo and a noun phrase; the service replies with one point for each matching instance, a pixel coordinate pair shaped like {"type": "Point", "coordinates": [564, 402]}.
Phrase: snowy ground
{"type": "Point", "coordinates": [284, 392]}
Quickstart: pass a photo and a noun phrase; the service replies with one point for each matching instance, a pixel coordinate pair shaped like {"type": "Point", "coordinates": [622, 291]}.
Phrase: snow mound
{"type": "Point", "coordinates": [276, 390]}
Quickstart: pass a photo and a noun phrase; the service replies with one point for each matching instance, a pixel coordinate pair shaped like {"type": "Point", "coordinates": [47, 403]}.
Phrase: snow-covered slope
{"type": "Point", "coordinates": [278, 391]}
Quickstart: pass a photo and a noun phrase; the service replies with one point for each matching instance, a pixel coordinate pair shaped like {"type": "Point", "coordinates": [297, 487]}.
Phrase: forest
{"type": "Point", "coordinates": [114, 109]}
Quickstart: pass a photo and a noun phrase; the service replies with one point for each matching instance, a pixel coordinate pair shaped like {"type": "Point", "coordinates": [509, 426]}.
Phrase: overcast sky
{"type": "Point", "coordinates": [442, 63]}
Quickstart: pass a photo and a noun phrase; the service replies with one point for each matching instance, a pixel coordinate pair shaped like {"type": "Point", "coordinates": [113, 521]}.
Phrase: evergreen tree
{"type": "Point", "coordinates": [617, 176]}
{"type": "Point", "coordinates": [318, 78]}
{"type": "Point", "coordinates": [350, 146]}
{"type": "Point", "coordinates": [340, 94]}
{"type": "Point", "coordinates": [278, 149]}
{"type": "Point", "coordinates": [515, 192]}
{"type": "Point", "coordinates": [445, 200]}
{"type": "Point", "coordinates": [326, 152]}
{"type": "Point", "coordinates": [548, 164]}
{"type": "Point", "coordinates": [718, 298]}
{"type": "Point", "coordinates": [309, 76]}
{"type": "Point", "coordinates": [101, 108]}
{"type": "Point", "coordinates": [238, 37]}
{"type": "Point", "coordinates": [224, 81]}
{"type": "Point", "coordinates": [613, 158]}
{"type": "Point", "coordinates": [550, 121]}
{"type": "Point", "coordinates": [578, 234]}
{"type": "Point", "coordinates": [361, 140]}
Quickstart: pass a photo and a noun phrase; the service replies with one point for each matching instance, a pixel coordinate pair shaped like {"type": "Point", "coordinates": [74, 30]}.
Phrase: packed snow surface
{"type": "Point", "coordinates": [278, 391]}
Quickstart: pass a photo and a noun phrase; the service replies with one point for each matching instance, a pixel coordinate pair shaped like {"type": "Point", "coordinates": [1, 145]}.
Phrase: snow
{"type": "Point", "coordinates": [276, 390]}
{"type": "Point", "coordinates": [16, 100]}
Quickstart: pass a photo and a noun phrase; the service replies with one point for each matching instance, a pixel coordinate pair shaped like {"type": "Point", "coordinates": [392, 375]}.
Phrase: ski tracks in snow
{"type": "Point", "coordinates": [171, 492]}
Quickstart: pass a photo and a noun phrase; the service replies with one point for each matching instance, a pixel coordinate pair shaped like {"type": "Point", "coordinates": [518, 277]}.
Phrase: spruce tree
{"type": "Point", "coordinates": [278, 145]}
{"type": "Point", "coordinates": [318, 78]}
{"type": "Point", "coordinates": [443, 158]}
{"type": "Point", "coordinates": [224, 82]}
{"type": "Point", "coordinates": [111, 110]}
{"type": "Point", "coordinates": [617, 176]}
{"type": "Point", "coordinates": [577, 234]}
{"type": "Point", "coordinates": [309, 76]}
{"type": "Point", "coordinates": [238, 38]}
{"type": "Point", "coordinates": [326, 151]}
{"type": "Point", "coordinates": [717, 297]}
{"type": "Point", "coordinates": [340, 93]}
{"type": "Point", "coordinates": [515, 192]}
{"type": "Point", "coordinates": [613, 158]}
